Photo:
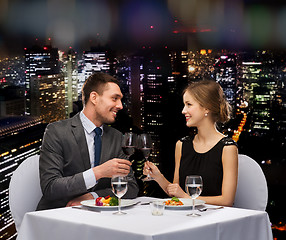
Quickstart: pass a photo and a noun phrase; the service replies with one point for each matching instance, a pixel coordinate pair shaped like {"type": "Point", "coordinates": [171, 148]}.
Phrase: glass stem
{"type": "Point", "coordinates": [119, 204]}
{"type": "Point", "coordinates": [193, 205]}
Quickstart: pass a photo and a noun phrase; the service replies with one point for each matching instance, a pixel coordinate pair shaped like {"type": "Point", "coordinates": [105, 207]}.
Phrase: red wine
{"type": "Point", "coordinates": [146, 152]}
{"type": "Point", "coordinates": [128, 150]}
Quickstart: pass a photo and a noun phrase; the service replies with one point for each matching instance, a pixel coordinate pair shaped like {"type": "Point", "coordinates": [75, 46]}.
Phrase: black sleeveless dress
{"type": "Point", "coordinates": [208, 165]}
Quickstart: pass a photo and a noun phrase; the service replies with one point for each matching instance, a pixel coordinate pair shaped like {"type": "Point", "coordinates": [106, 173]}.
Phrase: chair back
{"type": "Point", "coordinates": [252, 191]}
{"type": "Point", "coordinates": [24, 189]}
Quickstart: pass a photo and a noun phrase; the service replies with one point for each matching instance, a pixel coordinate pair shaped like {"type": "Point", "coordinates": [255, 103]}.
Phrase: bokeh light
{"type": "Point", "coordinates": [82, 23]}
{"type": "Point", "coordinates": [258, 25]}
{"type": "Point", "coordinates": [67, 22]}
{"type": "Point", "coordinates": [144, 21]}
{"type": "Point", "coordinates": [3, 10]}
{"type": "Point", "coordinates": [281, 27]}
{"type": "Point", "coordinates": [229, 23]}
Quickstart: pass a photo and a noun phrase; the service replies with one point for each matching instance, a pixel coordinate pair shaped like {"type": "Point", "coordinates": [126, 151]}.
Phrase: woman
{"type": "Point", "coordinates": [209, 153]}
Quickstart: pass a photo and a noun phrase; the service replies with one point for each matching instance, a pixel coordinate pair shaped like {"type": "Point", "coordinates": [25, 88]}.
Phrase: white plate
{"type": "Point", "coordinates": [124, 203]}
{"type": "Point", "coordinates": [188, 203]}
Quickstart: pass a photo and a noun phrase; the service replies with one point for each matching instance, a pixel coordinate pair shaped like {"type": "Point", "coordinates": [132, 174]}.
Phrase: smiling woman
{"type": "Point", "coordinates": [209, 153]}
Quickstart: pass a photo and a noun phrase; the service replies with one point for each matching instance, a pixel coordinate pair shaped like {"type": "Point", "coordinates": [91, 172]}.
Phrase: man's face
{"type": "Point", "coordinates": [108, 104]}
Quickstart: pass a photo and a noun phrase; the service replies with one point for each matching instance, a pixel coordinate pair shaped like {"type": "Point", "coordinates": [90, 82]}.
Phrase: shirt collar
{"type": "Point", "coordinates": [87, 124]}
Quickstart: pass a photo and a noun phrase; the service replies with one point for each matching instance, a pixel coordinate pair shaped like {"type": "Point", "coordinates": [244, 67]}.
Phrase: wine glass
{"type": "Point", "coordinates": [119, 188]}
{"type": "Point", "coordinates": [194, 187]}
{"type": "Point", "coordinates": [145, 145]}
{"type": "Point", "coordinates": [129, 143]}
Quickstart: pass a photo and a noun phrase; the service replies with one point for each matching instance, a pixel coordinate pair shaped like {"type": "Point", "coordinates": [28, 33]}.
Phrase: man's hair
{"type": "Point", "coordinates": [96, 83]}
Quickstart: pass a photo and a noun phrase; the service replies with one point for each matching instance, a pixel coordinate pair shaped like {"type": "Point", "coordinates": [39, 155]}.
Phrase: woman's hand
{"type": "Point", "coordinates": [174, 190]}
{"type": "Point", "coordinates": [151, 170]}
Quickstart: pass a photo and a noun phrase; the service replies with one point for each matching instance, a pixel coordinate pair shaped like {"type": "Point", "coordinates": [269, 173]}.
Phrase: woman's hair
{"type": "Point", "coordinates": [96, 82]}
{"type": "Point", "coordinates": [210, 95]}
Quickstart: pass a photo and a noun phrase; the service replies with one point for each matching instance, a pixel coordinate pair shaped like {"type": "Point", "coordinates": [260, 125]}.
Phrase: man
{"type": "Point", "coordinates": [68, 171]}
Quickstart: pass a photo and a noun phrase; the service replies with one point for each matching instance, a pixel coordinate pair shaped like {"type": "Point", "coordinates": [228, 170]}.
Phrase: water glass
{"type": "Point", "coordinates": [157, 208]}
{"type": "Point", "coordinates": [194, 187]}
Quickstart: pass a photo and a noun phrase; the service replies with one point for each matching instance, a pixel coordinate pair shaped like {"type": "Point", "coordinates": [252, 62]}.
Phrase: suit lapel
{"type": "Point", "coordinates": [78, 132]}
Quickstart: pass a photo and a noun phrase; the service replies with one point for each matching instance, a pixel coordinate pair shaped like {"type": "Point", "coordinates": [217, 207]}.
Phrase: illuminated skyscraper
{"type": "Point", "coordinates": [179, 66]}
{"type": "Point", "coordinates": [259, 89]}
{"type": "Point", "coordinates": [226, 76]}
{"type": "Point", "coordinates": [261, 117]}
{"type": "Point", "coordinates": [92, 61]}
{"type": "Point", "coordinates": [70, 72]}
{"type": "Point", "coordinates": [135, 88]}
{"type": "Point", "coordinates": [155, 70]}
{"type": "Point", "coordinates": [280, 113]}
{"type": "Point", "coordinates": [48, 97]}
{"type": "Point", "coordinates": [40, 61]}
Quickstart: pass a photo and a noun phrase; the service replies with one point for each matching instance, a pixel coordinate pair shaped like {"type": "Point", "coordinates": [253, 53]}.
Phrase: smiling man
{"type": "Point", "coordinates": [80, 155]}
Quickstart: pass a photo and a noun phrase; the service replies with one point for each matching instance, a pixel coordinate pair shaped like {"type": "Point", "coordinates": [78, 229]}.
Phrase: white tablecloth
{"type": "Point", "coordinates": [139, 224]}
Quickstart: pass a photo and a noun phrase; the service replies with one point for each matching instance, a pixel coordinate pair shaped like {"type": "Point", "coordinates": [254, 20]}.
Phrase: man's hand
{"type": "Point", "coordinates": [76, 201]}
{"type": "Point", "coordinates": [113, 167]}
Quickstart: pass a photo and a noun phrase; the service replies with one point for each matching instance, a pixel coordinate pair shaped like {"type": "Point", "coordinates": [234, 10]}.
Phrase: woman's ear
{"type": "Point", "coordinates": [207, 111]}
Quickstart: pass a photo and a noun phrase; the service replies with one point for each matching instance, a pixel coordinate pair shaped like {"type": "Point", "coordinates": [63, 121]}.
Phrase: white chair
{"type": "Point", "coordinates": [252, 191]}
{"type": "Point", "coordinates": [24, 189]}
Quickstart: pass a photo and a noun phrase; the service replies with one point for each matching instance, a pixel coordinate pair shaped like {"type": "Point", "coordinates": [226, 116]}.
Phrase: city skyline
{"type": "Point", "coordinates": [257, 77]}
{"type": "Point", "coordinates": [241, 74]}
{"type": "Point", "coordinates": [154, 48]}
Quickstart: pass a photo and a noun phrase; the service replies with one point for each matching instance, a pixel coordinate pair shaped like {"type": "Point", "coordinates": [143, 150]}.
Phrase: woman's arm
{"type": "Point", "coordinates": [229, 183]}
{"type": "Point", "coordinates": [155, 173]}
{"type": "Point", "coordinates": [178, 154]}
{"type": "Point", "coordinates": [174, 188]}
{"type": "Point", "coordinates": [152, 170]}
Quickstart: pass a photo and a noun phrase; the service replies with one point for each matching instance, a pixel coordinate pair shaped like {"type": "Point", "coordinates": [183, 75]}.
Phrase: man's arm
{"type": "Point", "coordinates": [103, 187]}
{"type": "Point", "coordinates": [56, 186]}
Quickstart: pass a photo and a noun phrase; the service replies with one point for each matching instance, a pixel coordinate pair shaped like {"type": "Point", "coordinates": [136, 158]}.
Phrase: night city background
{"type": "Point", "coordinates": [49, 47]}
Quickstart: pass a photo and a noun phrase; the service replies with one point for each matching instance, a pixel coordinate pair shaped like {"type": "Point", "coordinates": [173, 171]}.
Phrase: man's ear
{"type": "Point", "coordinates": [93, 97]}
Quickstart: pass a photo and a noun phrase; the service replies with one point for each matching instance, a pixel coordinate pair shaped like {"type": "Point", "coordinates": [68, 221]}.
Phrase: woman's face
{"type": "Point", "coordinates": [192, 110]}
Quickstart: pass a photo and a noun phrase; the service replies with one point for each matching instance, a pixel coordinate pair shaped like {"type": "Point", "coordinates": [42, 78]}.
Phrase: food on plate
{"type": "Point", "coordinates": [106, 201]}
{"type": "Point", "coordinates": [174, 202]}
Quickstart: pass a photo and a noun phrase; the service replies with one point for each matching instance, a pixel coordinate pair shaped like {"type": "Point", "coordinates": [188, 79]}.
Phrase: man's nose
{"type": "Point", "coordinates": [119, 105]}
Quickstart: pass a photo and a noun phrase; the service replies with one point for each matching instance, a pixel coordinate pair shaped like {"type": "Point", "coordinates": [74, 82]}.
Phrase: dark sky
{"type": "Point", "coordinates": [133, 23]}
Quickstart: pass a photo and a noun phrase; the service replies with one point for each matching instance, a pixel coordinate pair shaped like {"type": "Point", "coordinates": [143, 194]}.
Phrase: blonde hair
{"type": "Point", "coordinates": [209, 94]}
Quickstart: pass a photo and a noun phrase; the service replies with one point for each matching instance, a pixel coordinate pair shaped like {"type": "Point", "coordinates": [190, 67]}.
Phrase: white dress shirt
{"type": "Point", "coordinates": [88, 175]}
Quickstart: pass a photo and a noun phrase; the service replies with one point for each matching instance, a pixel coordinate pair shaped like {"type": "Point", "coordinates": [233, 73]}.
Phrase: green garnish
{"type": "Point", "coordinates": [175, 199]}
{"type": "Point", "coordinates": [113, 201]}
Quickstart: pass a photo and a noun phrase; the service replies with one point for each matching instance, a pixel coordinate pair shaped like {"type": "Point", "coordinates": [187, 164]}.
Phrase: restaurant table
{"type": "Point", "coordinates": [138, 224]}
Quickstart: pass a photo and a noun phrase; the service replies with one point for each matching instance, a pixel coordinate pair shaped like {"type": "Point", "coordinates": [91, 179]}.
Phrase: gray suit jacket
{"type": "Point", "coordinates": [64, 157]}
